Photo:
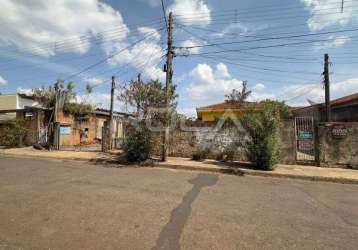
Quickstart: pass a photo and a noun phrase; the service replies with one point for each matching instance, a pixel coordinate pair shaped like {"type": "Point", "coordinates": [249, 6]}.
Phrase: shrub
{"type": "Point", "coordinates": [201, 154]}
{"type": "Point", "coordinates": [137, 145]}
{"type": "Point", "coordinates": [263, 148]}
{"type": "Point", "coordinates": [14, 133]}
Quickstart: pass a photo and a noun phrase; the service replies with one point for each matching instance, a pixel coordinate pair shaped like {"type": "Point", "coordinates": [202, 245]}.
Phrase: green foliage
{"type": "Point", "coordinates": [239, 96]}
{"type": "Point", "coordinates": [14, 132]}
{"type": "Point", "coordinates": [283, 109]}
{"type": "Point", "coordinates": [77, 109]}
{"type": "Point", "coordinates": [137, 145]}
{"type": "Point", "coordinates": [89, 89]}
{"type": "Point", "coordinates": [147, 97]}
{"type": "Point", "coordinates": [263, 149]}
{"type": "Point", "coordinates": [47, 95]}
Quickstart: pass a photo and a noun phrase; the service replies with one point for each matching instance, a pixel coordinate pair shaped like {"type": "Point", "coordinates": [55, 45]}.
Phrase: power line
{"type": "Point", "coordinates": [270, 38]}
{"type": "Point", "coordinates": [265, 47]}
{"type": "Point", "coordinates": [164, 15]}
{"type": "Point", "coordinates": [108, 57]}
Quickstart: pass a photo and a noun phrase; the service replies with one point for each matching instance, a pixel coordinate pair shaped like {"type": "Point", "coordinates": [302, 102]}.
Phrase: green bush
{"type": "Point", "coordinates": [137, 145]}
{"type": "Point", "coordinates": [201, 154]}
{"type": "Point", "coordinates": [263, 148]}
{"type": "Point", "coordinates": [14, 133]}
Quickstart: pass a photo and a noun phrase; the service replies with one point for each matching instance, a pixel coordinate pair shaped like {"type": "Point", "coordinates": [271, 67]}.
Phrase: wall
{"type": "Point", "coordinates": [26, 102]}
{"type": "Point", "coordinates": [186, 143]}
{"type": "Point", "coordinates": [8, 102]}
{"type": "Point", "coordinates": [335, 151]}
{"type": "Point", "coordinates": [76, 125]}
{"type": "Point", "coordinates": [33, 124]}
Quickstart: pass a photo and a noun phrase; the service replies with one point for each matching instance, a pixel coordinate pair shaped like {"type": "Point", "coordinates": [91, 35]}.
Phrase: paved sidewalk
{"type": "Point", "coordinates": [339, 175]}
{"type": "Point", "coordinates": [66, 155]}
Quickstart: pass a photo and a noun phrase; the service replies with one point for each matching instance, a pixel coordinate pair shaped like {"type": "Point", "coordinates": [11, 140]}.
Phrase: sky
{"type": "Point", "coordinates": [278, 48]}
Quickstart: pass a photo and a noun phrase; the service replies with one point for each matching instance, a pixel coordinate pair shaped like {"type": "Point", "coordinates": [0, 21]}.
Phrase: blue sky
{"type": "Point", "coordinates": [41, 41]}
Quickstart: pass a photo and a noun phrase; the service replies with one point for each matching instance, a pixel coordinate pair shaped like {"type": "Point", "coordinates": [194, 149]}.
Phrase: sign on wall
{"type": "Point", "coordinates": [65, 130]}
{"type": "Point", "coordinates": [339, 131]}
{"type": "Point", "coordinates": [305, 135]}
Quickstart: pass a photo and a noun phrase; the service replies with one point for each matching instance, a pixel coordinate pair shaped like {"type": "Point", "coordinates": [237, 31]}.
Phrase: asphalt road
{"type": "Point", "coordinates": [70, 205]}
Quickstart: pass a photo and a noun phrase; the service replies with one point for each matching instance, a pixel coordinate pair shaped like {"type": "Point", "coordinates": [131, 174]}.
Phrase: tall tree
{"type": "Point", "coordinates": [239, 96]}
{"type": "Point", "coordinates": [146, 97]}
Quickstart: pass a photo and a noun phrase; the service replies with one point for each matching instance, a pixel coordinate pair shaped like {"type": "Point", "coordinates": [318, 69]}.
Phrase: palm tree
{"type": "Point", "coordinates": [239, 96]}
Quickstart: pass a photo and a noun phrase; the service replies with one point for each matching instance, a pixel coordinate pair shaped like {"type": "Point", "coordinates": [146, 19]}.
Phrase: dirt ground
{"type": "Point", "coordinates": [59, 204]}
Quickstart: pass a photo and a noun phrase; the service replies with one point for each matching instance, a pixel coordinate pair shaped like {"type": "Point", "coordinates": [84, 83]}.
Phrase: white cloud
{"type": "Point", "coordinates": [259, 87]}
{"type": "Point", "coordinates": [93, 81]}
{"type": "Point", "coordinates": [323, 14]}
{"type": "Point", "coordinates": [298, 94]}
{"type": "Point", "coordinates": [144, 56]}
{"type": "Point", "coordinates": [191, 12]}
{"type": "Point", "coordinates": [26, 91]}
{"type": "Point", "coordinates": [233, 29]}
{"type": "Point", "coordinates": [2, 81]}
{"type": "Point", "coordinates": [334, 42]}
{"type": "Point", "coordinates": [211, 85]}
{"type": "Point", "coordinates": [100, 100]}
{"type": "Point", "coordinates": [191, 42]}
{"type": "Point", "coordinates": [148, 31]}
{"type": "Point", "coordinates": [222, 71]}
{"type": "Point", "coordinates": [35, 26]}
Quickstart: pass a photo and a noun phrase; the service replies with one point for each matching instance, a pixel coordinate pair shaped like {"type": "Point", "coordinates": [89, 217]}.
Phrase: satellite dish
{"type": "Point", "coordinates": [311, 102]}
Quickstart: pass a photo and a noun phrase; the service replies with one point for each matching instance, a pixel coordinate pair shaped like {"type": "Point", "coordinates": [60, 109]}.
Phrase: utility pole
{"type": "Point", "coordinates": [168, 81]}
{"type": "Point", "coordinates": [326, 88]}
{"type": "Point", "coordinates": [110, 132]}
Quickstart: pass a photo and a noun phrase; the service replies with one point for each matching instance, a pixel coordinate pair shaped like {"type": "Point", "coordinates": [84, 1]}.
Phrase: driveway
{"type": "Point", "coordinates": [49, 204]}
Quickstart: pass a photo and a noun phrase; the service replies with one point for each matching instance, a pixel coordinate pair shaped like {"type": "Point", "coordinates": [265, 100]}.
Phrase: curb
{"type": "Point", "coordinates": [50, 158]}
{"type": "Point", "coordinates": [242, 172]}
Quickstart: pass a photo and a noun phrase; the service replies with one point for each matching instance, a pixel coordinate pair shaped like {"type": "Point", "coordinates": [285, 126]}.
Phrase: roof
{"type": "Point", "coordinates": [334, 103]}
{"type": "Point", "coordinates": [345, 99]}
{"type": "Point", "coordinates": [107, 112]}
{"type": "Point", "coordinates": [230, 105]}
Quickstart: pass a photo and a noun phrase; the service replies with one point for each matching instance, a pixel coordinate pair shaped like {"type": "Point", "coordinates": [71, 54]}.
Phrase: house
{"type": "Point", "coordinates": [73, 129]}
{"type": "Point", "coordinates": [13, 102]}
{"type": "Point", "coordinates": [344, 109]}
{"type": "Point", "coordinates": [226, 109]}
{"type": "Point", "coordinates": [87, 129]}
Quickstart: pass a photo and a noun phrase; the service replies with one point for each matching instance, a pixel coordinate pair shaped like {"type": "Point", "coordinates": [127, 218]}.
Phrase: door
{"type": "Point", "coordinates": [305, 144]}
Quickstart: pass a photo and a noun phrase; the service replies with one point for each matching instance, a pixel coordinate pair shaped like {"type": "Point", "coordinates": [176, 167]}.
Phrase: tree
{"type": "Point", "coordinates": [262, 127]}
{"type": "Point", "coordinates": [148, 100]}
{"type": "Point", "coordinates": [147, 97]}
{"type": "Point", "coordinates": [239, 96]}
{"type": "Point", "coordinates": [47, 96]}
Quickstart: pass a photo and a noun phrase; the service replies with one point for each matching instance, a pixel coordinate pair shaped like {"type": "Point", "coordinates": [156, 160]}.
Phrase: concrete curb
{"type": "Point", "coordinates": [241, 172]}
{"type": "Point", "coordinates": [51, 158]}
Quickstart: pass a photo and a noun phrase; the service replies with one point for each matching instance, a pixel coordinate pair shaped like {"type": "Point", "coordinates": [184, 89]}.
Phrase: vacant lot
{"type": "Point", "coordinates": [70, 205]}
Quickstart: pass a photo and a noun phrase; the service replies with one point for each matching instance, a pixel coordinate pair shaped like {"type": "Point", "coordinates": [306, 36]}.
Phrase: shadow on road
{"type": "Point", "coordinates": [170, 235]}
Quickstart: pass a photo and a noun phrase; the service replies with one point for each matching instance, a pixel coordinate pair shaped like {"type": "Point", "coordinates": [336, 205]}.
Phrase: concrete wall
{"type": "Point", "coordinates": [26, 102]}
{"type": "Point", "coordinates": [186, 143]}
{"type": "Point", "coordinates": [8, 102]}
{"type": "Point", "coordinates": [338, 151]}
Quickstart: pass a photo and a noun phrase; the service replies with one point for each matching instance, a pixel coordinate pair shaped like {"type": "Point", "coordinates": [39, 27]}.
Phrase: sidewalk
{"type": "Point", "coordinates": [65, 155]}
{"type": "Point", "coordinates": [338, 175]}
{"type": "Point", "coordinates": [313, 173]}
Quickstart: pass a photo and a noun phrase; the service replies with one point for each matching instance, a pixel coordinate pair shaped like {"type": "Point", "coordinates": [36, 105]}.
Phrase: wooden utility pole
{"type": "Point", "coordinates": [326, 88]}
{"type": "Point", "coordinates": [110, 125]}
{"type": "Point", "coordinates": [168, 81]}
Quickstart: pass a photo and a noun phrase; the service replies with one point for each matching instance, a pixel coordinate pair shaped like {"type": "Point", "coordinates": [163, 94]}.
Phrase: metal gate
{"type": "Point", "coordinates": [305, 144]}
